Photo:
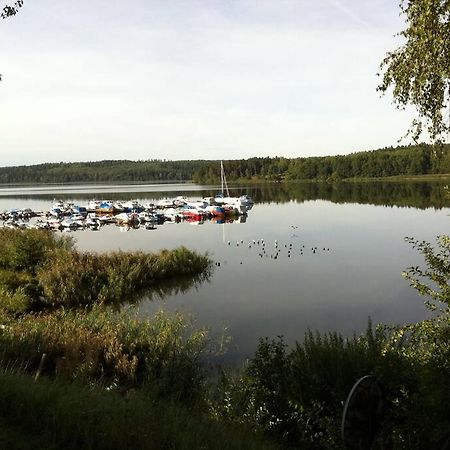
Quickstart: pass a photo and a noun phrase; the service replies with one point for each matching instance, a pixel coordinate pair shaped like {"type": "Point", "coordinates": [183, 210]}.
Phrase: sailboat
{"type": "Point", "coordinates": [242, 203]}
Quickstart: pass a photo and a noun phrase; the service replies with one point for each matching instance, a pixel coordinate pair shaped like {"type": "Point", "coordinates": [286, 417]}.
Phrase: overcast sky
{"type": "Point", "coordinates": [212, 79]}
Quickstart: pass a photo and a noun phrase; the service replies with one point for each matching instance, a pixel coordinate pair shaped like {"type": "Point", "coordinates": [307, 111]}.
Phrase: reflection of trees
{"type": "Point", "coordinates": [412, 194]}
{"type": "Point", "coordinates": [168, 288]}
{"type": "Point", "coordinates": [409, 194]}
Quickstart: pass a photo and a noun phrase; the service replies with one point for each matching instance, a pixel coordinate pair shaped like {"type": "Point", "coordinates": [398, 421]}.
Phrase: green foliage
{"type": "Point", "coordinates": [101, 171]}
{"type": "Point", "coordinates": [9, 11]}
{"type": "Point", "coordinates": [48, 271]}
{"type": "Point", "coordinates": [27, 251]}
{"type": "Point", "coordinates": [419, 70]}
{"type": "Point", "coordinates": [437, 273]}
{"type": "Point", "coordinates": [297, 395]}
{"type": "Point", "coordinates": [388, 162]}
{"type": "Point", "coordinates": [73, 278]}
{"type": "Point", "coordinates": [72, 416]}
{"type": "Point", "coordinates": [14, 301]}
{"type": "Point", "coordinates": [119, 350]}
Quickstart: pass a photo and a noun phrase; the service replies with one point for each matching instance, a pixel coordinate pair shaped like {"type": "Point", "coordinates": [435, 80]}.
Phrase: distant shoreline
{"type": "Point", "coordinates": [88, 184]}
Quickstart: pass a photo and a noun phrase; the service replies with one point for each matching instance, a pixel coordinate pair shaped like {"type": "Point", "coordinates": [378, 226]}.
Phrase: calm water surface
{"type": "Point", "coordinates": [355, 272]}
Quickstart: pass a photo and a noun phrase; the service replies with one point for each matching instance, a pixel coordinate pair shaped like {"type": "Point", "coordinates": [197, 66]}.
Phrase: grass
{"type": "Point", "coordinates": [118, 349]}
{"type": "Point", "coordinates": [15, 437]}
{"type": "Point", "coordinates": [73, 278]}
{"type": "Point", "coordinates": [39, 270]}
{"type": "Point", "coordinates": [72, 416]}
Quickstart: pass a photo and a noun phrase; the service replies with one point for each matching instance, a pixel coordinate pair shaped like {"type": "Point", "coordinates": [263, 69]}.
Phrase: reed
{"type": "Point", "coordinates": [118, 349]}
{"type": "Point", "coordinates": [73, 278]}
{"type": "Point", "coordinates": [49, 272]}
{"type": "Point", "coordinates": [14, 302]}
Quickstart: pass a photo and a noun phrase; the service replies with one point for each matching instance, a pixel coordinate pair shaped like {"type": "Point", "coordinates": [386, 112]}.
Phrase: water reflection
{"type": "Point", "coordinates": [412, 194]}
{"type": "Point", "coordinates": [162, 290]}
{"type": "Point", "coordinates": [405, 194]}
{"type": "Point", "coordinates": [338, 256]}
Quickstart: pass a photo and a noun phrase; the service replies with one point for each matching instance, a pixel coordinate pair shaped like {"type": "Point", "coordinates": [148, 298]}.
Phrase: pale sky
{"type": "Point", "coordinates": [171, 79]}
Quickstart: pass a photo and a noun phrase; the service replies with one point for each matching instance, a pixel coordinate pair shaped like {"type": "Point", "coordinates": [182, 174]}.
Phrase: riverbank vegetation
{"type": "Point", "coordinates": [38, 268]}
{"type": "Point", "coordinates": [110, 379]}
{"type": "Point", "coordinates": [421, 159]}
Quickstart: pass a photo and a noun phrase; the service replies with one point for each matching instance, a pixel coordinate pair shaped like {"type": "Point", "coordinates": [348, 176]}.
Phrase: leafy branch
{"type": "Point", "coordinates": [9, 11]}
{"type": "Point", "coordinates": [419, 71]}
{"type": "Point", "coordinates": [434, 280]}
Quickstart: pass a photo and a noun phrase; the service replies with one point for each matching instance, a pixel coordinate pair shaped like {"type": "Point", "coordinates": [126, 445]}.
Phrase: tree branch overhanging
{"type": "Point", "coordinates": [419, 71]}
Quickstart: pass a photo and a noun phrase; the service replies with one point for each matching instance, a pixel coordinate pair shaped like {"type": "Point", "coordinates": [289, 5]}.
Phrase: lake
{"type": "Point", "coordinates": [337, 260]}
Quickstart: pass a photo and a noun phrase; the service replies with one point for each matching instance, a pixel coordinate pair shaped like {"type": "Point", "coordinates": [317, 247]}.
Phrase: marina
{"type": "Point", "coordinates": [68, 216]}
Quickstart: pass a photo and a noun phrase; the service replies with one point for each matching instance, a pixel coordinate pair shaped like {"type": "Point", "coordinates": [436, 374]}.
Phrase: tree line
{"type": "Point", "coordinates": [418, 159]}
{"type": "Point", "coordinates": [405, 160]}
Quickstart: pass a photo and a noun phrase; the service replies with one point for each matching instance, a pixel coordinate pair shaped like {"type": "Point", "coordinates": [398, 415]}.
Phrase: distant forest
{"type": "Point", "coordinates": [406, 160]}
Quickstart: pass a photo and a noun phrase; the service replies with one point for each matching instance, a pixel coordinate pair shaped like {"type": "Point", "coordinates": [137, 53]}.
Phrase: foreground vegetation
{"type": "Point", "coordinates": [387, 162]}
{"type": "Point", "coordinates": [108, 379]}
{"type": "Point", "coordinates": [75, 416]}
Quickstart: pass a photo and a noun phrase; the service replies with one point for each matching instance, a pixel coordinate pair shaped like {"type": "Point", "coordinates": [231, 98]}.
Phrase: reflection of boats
{"type": "Point", "coordinates": [127, 218]}
{"type": "Point", "coordinates": [192, 213]}
{"type": "Point", "coordinates": [147, 217]}
{"type": "Point", "coordinates": [216, 210]}
{"type": "Point", "coordinates": [149, 226]}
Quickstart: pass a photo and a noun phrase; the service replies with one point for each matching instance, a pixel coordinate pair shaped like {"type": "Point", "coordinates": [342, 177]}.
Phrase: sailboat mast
{"type": "Point", "coordinates": [221, 176]}
{"type": "Point", "coordinates": [224, 180]}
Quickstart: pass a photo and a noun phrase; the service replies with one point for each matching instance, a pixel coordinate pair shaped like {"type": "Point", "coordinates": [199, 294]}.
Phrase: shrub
{"type": "Point", "coordinates": [27, 250]}
{"type": "Point", "coordinates": [297, 395]}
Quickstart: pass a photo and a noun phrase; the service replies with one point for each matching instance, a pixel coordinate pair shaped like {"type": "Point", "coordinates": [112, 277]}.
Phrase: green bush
{"type": "Point", "coordinates": [298, 395]}
{"type": "Point", "coordinates": [27, 250]}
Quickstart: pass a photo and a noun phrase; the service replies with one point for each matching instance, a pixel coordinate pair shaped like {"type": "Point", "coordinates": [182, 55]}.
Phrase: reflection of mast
{"type": "Point", "coordinates": [223, 180]}
{"type": "Point", "coordinates": [224, 184]}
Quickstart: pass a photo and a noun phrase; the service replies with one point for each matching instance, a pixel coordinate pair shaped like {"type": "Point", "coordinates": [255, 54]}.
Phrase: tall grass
{"type": "Point", "coordinates": [72, 416]}
{"type": "Point", "coordinates": [73, 278]}
{"type": "Point", "coordinates": [46, 271]}
{"type": "Point", "coordinates": [118, 350]}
